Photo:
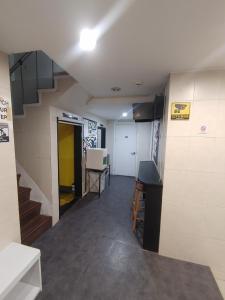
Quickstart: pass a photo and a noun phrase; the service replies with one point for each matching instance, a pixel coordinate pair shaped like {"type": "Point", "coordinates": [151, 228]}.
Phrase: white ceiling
{"type": "Point", "coordinates": [141, 40]}
{"type": "Point", "coordinates": [113, 108]}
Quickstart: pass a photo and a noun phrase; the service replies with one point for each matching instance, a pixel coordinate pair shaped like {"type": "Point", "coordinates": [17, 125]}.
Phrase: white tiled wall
{"type": "Point", "coordinates": [193, 213]}
{"type": "Point", "coordinates": [9, 215]}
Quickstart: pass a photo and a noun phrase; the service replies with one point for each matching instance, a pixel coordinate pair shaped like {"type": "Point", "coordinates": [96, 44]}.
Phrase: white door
{"type": "Point", "coordinates": [125, 149]}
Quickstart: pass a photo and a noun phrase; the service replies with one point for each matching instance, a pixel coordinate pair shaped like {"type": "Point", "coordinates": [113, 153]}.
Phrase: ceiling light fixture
{"type": "Point", "coordinates": [139, 83]}
{"type": "Point", "coordinates": [115, 89]}
{"type": "Point", "coordinates": [88, 39]}
{"type": "Point", "coordinates": [124, 114]}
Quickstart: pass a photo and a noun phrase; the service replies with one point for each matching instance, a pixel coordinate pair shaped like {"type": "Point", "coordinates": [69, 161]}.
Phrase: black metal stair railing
{"type": "Point", "coordinates": [19, 62]}
{"type": "Point", "coordinates": [30, 72]}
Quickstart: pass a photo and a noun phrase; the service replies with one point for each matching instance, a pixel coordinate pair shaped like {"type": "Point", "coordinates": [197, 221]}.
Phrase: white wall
{"type": "Point", "coordinates": [193, 211]}
{"type": "Point", "coordinates": [9, 214]}
{"type": "Point", "coordinates": [70, 96]}
{"type": "Point", "coordinates": [33, 152]}
{"type": "Point", "coordinates": [112, 108]}
{"type": "Point", "coordinates": [144, 142]}
{"type": "Point", "coordinates": [36, 138]}
{"type": "Point", "coordinates": [110, 138]}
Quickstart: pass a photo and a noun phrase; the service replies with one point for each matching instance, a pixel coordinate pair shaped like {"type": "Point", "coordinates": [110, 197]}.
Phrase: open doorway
{"type": "Point", "coordinates": [69, 164]}
{"type": "Point", "coordinates": [101, 138]}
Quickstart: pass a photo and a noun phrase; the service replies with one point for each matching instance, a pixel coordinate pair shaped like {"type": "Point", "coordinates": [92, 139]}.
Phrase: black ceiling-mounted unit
{"type": "Point", "coordinates": [149, 111]}
{"type": "Point", "coordinates": [158, 107]}
{"type": "Point", "coordinates": [143, 112]}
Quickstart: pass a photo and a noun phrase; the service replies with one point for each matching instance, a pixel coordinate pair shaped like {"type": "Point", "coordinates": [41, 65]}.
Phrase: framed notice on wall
{"type": "Point", "coordinates": [4, 133]}
{"type": "Point", "coordinates": [155, 141]}
{"type": "Point", "coordinates": [90, 134]}
{"type": "Point", "coordinates": [4, 109]}
{"type": "Point", "coordinates": [180, 110]}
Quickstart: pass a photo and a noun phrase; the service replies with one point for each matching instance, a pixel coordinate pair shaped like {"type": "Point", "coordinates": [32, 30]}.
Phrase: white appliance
{"type": "Point", "coordinates": [96, 158]}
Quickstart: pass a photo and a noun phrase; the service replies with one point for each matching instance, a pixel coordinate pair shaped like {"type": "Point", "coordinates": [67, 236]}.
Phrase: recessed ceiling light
{"type": "Point", "coordinates": [124, 114]}
{"type": "Point", "coordinates": [88, 39]}
{"type": "Point", "coordinates": [139, 83]}
{"type": "Point", "coordinates": [116, 89]}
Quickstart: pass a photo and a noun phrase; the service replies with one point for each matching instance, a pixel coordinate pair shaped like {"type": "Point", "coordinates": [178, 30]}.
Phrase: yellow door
{"type": "Point", "coordinates": [66, 160]}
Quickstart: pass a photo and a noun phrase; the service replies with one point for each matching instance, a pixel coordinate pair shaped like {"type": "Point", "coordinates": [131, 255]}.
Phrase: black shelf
{"type": "Point", "coordinates": [148, 173]}
{"type": "Point", "coordinates": [149, 176]}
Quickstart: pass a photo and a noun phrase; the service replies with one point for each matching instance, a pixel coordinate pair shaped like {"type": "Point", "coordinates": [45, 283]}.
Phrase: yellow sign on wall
{"type": "Point", "coordinates": [180, 110]}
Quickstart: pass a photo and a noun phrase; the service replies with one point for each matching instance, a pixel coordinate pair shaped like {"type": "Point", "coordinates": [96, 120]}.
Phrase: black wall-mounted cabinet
{"type": "Point", "coordinates": [143, 112]}
{"type": "Point", "coordinates": [149, 111]}
{"type": "Point", "coordinates": [158, 107]}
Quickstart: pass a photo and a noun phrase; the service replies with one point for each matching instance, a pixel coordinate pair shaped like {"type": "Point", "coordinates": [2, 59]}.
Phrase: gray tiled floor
{"type": "Point", "coordinates": [92, 254]}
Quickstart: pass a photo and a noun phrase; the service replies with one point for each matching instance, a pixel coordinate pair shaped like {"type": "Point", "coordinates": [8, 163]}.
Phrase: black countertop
{"type": "Point", "coordinates": [148, 173]}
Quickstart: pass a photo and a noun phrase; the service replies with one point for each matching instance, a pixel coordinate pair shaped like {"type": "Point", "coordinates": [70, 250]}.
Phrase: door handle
{"type": "Point", "coordinates": [133, 153]}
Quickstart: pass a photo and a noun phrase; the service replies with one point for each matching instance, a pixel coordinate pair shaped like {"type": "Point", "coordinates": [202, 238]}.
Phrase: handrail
{"type": "Point", "coordinates": [20, 62]}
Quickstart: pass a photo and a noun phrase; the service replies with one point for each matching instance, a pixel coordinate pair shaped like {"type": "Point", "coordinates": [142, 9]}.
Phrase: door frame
{"type": "Point", "coordinates": [78, 148]}
{"type": "Point", "coordinates": [103, 136]}
{"type": "Point", "coordinates": [114, 144]}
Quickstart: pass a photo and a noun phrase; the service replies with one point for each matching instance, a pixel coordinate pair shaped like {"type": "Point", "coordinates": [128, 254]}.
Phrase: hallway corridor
{"type": "Point", "coordinates": [92, 254]}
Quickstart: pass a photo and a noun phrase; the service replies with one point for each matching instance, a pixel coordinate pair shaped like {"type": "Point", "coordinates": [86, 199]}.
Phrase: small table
{"type": "Point", "coordinates": [20, 272]}
{"type": "Point", "coordinates": [105, 171]}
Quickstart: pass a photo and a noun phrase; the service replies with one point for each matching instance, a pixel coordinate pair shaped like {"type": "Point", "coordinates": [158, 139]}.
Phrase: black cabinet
{"type": "Point", "coordinates": [150, 233]}
{"type": "Point", "coordinates": [149, 111]}
{"type": "Point", "coordinates": [158, 107]}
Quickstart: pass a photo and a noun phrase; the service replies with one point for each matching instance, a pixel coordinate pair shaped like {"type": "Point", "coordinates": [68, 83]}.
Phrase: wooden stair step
{"type": "Point", "coordinates": [35, 228]}
{"type": "Point", "coordinates": [23, 193]}
{"type": "Point", "coordinates": [28, 210]}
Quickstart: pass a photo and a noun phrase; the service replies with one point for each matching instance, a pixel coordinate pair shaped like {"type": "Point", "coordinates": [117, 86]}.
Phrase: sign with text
{"type": "Point", "coordinates": [4, 133]}
{"type": "Point", "coordinates": [4, 109]}
{"type": "Point", "coordinates": [180, 110]}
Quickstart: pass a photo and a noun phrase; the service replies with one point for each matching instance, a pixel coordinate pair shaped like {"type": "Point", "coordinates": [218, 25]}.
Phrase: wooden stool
{"type": "Point", "coordinates": [136, 204]}
{"type": "Point", "coordinates": [138, 187]}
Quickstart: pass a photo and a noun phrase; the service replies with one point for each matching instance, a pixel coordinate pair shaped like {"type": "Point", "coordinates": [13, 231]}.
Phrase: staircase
{"type": "Point", "coordinates": [32, 223]}
{"type": "Point", "coordinates": [29, 73]}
